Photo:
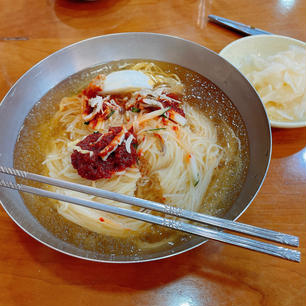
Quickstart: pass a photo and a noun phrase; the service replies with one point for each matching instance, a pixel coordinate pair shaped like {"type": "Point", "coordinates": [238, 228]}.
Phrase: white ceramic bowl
{"type": "Point", "coordinates": [263, 45]}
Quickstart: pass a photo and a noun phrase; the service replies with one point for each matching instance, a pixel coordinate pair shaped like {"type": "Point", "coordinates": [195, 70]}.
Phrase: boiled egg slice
{"type": "Point", "coordinates": [126, 81]}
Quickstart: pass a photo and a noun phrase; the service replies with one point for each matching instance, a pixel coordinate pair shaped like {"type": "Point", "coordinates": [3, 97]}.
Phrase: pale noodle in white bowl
{"type": "Point", "coordinates": [276, 67]}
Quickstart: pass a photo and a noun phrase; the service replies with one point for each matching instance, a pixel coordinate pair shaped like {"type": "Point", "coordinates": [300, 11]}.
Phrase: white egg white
{"type": "Point", "coordinates": [126, 81]}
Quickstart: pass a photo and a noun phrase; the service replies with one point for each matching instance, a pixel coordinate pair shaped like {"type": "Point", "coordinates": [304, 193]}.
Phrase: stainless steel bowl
{"type": "Point", "coordinates": [45, 75]}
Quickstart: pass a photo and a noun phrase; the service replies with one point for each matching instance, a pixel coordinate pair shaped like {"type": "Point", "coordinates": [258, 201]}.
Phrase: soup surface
{"type": "Point", "coordinates": [200, 102]}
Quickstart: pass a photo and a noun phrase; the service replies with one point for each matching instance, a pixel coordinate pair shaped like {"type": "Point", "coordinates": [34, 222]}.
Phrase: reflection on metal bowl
{"type": "Point", "coordinates": [31, 87]}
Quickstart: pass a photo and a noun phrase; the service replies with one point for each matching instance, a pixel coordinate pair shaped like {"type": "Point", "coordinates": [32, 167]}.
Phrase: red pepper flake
{"type": "Point", "coordinates": [188, 157]}
{"type": "Point", "coordinates": [158, 136]}
{"type": "Point", "coordinates": [164, 121]}
{"type": "Point", "coordinates": [139, 153]}
{"type": "Point", "coordinates": [101, 219]}
{"type": "Point", "coordinates": [174, 127]}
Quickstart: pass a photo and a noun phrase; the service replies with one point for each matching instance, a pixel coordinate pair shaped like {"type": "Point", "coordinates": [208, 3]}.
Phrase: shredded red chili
{"type": "Point", "coordinates": [92, 167]}
{"type": "Point", "coordinates": [173, 104]}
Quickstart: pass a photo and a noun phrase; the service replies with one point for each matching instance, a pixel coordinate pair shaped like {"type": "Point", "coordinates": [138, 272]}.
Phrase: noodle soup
{"type": "Point", "coordinates": [175, 139]}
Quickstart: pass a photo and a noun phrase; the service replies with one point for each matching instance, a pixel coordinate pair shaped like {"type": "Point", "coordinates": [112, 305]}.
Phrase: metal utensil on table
{"type": "Point", "coordinates": [243, 242]}
{"type": "Point", "coordinates": [236, 26]}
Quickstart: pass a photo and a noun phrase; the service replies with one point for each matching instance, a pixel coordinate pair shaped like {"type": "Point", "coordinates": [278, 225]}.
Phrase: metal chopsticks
{"type": "Point", "coordinates": [178, 225]}
{"type": "Point", "coordinates": [170, 210]}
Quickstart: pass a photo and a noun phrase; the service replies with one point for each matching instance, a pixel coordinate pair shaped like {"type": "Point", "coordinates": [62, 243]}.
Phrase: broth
{"type": "Point", "coordinates": [223, 189]}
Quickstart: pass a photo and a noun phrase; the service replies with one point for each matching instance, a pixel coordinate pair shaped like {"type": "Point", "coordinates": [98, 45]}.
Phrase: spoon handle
{"type": "Point", "coordinates": [237, 26]}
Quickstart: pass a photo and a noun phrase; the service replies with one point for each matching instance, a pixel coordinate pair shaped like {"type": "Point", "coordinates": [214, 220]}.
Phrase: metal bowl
{"type": "Point", "coordinates": [42, 77]}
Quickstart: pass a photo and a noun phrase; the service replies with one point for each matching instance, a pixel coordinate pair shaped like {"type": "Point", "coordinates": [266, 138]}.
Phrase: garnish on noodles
{"type": "Point", "coordinates": [100, 155]}
{"type": "Point", "coordinates": [98, 107]}
{"type": "Point", "coordinates": [132, 130]}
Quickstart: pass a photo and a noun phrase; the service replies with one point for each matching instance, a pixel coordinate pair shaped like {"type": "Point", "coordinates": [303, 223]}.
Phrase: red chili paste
{"type": "Point", "coordinates": [93, 167]}
{"type": "Point", "coordinates": [92, 91]}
